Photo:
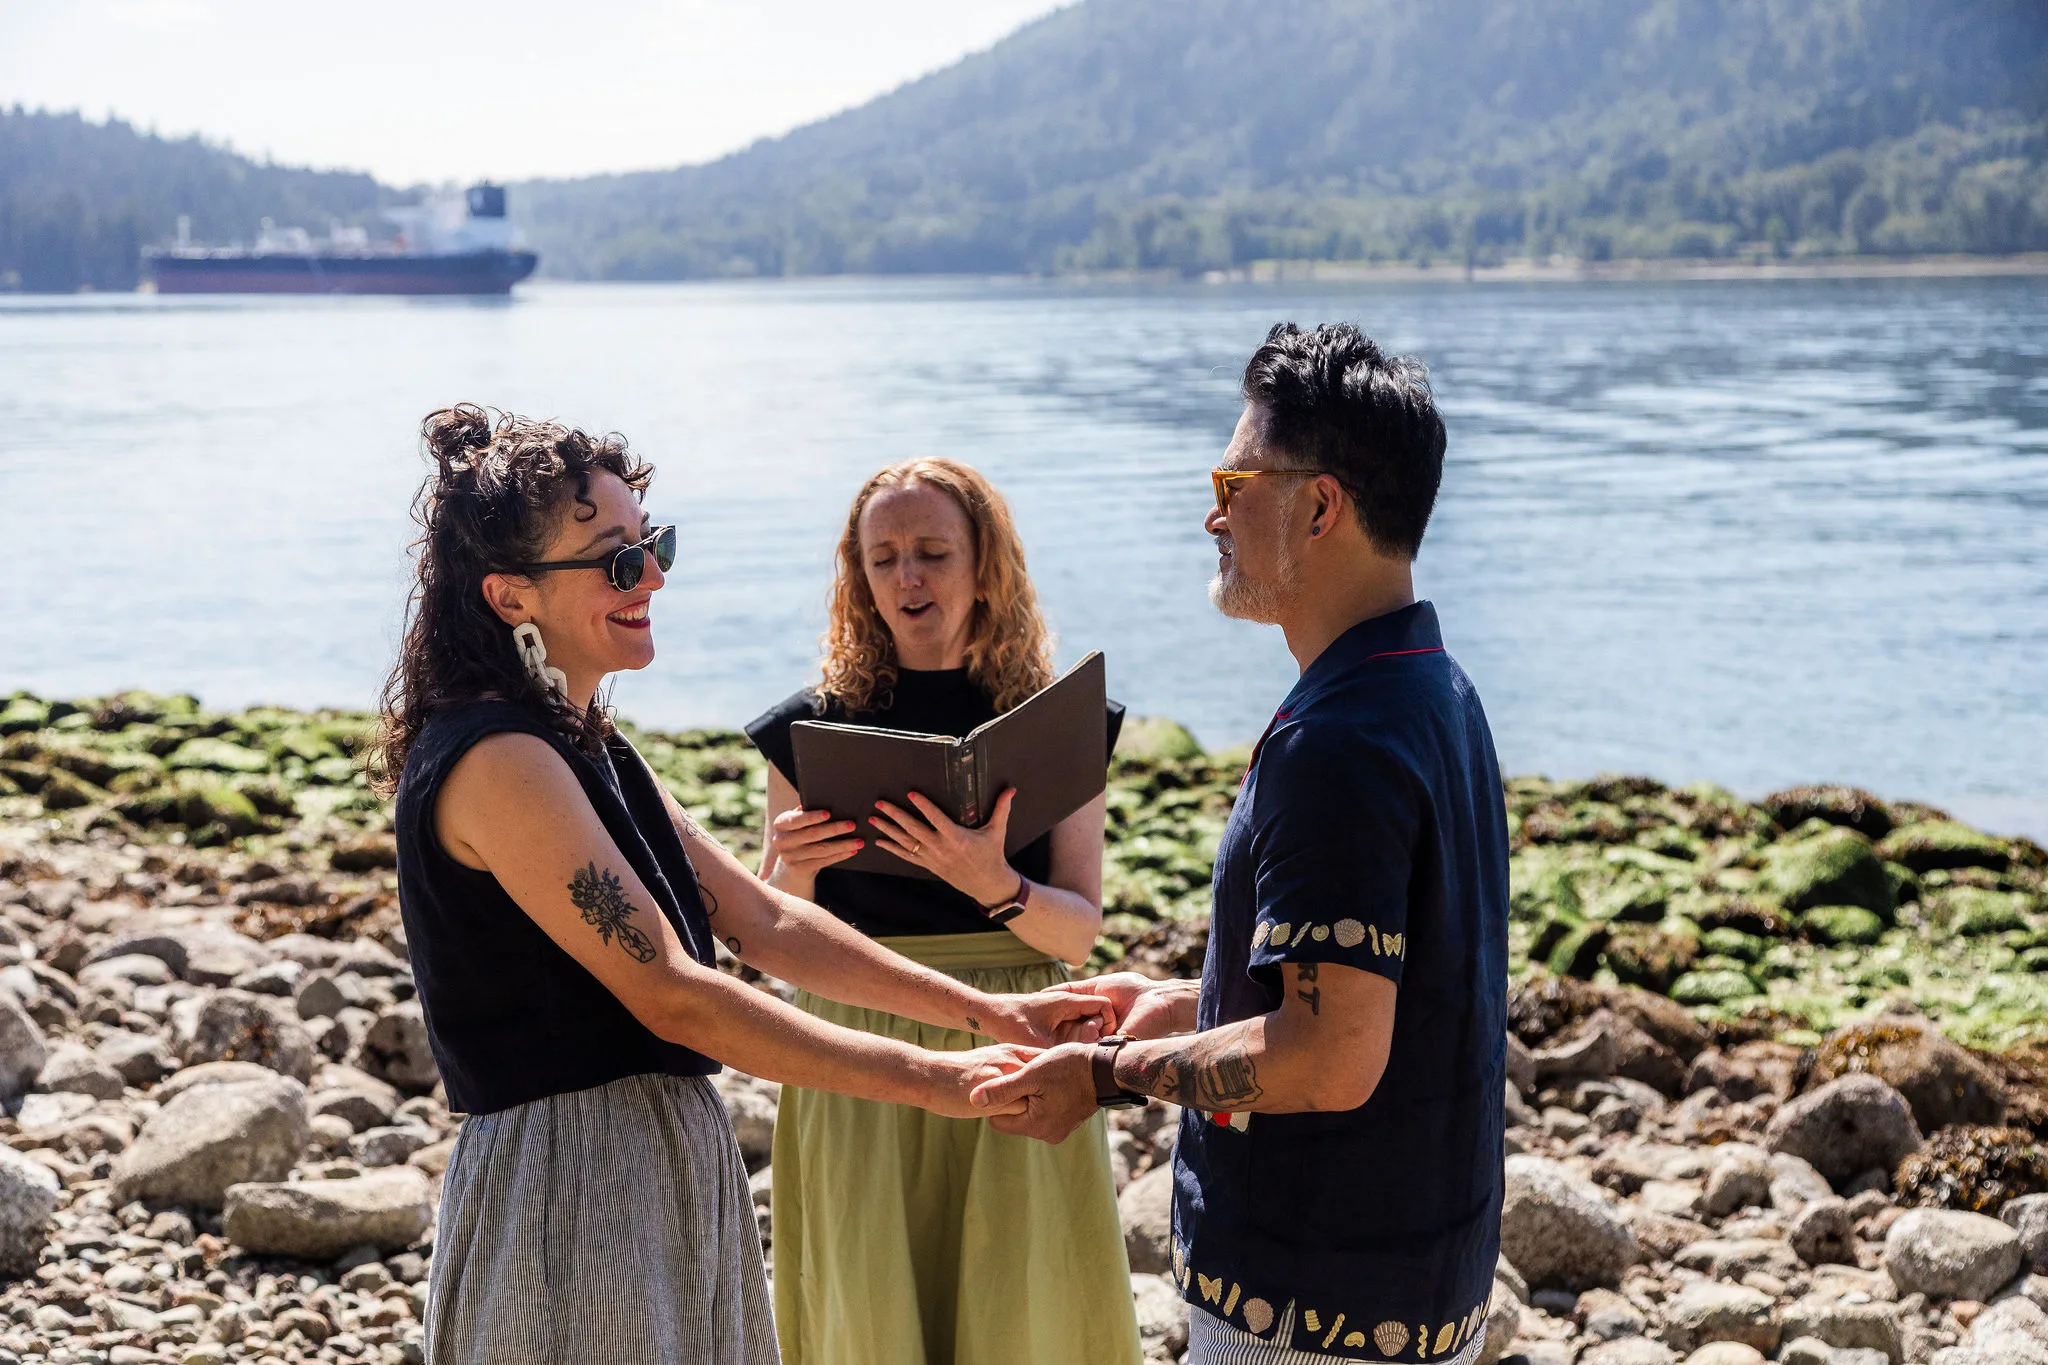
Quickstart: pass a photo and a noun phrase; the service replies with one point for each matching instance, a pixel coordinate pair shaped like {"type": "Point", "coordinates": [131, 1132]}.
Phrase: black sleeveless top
{"type": "Point", "coordinates": [511, 1017]}
{"type": "Point", "coordinates": [942, 701]}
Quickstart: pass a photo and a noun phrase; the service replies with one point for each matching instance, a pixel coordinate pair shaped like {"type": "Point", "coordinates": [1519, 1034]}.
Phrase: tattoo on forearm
{"type": "Point", "coordinates": [1307, 991]}
{"type": "Point", "coordinates": [732, 945]}
{"type": "Point", "coordinates": [1204, 1076]}
{"type": "Point", "coordinates": [973, 1024]}
{"type": "Point", "coordinates": [602, 899]}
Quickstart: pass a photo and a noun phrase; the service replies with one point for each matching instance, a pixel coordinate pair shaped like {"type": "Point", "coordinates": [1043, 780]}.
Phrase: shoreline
{"type": "Point", "coordinates": [198, 906]}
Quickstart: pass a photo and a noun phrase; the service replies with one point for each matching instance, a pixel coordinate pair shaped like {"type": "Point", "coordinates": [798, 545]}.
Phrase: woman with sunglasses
{"type": "Point", "coordinates": [561, 911]}
{"type": "Point", "coordinates": [904, 1237]}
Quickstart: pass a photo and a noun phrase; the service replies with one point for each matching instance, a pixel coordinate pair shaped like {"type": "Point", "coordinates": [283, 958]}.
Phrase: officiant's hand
{"type": "Point", "coordinates": [809, 841]}
{"type": "Point", "coordinates": [969, 860]}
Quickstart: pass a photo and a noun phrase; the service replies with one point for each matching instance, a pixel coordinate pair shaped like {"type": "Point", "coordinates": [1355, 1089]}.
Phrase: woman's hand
{"type": "Point", "coordinates": [808, 841]}
{"type": "Point", "coordinates": [953, 1076]}
{"type": "Point", "coordinates": [1144, 1008]}
{"type": "Point", "coordinates": [1043, 1018]}
{"type": "Point", "coordinates": [969, 860]}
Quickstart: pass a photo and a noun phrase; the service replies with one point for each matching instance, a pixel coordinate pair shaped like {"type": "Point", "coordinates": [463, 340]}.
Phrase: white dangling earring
{"type": "Point", "coordinates": [533, 655]}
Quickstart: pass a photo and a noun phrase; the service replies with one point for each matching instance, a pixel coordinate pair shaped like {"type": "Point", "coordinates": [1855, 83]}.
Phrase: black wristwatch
{"type": "Point", "coordinates": [1002, 912]}
{"type": "Point", "coordinates": [1108, 1094]}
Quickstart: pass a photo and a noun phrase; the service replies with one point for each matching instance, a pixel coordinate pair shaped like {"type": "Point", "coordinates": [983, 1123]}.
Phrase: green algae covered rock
{"type": "Point", "coordinates": [1155, 739]}
{"type": "Point", "coordinates": [1850, 807]}
{"type": "Point", "coordinates": [1651, 957]}
{"type": "Point", "coordinates": [1838, 924]}
{"type": "Point", "coordinates": [1932, 844]}
{"type": "Point", "coordinates": [1714, 986]}
{"type": "Point", "coordinates": [1832, 866]}
{"type": "Point", "coordinates": [22, 714]}
{"type": "Point", "coordinates": [219, 755]}
{"type": "Point", "coordinates": [1974, 911]}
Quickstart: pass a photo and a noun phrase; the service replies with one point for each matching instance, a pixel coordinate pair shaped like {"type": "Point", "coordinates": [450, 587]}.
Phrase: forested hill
{"type": "Point", "coordinates": [1208, 133]}
{"type": "Point", "coordinates": [79, 200]}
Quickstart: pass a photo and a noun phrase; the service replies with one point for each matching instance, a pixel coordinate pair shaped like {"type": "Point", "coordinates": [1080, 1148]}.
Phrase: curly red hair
{"type": "Point", "coordinates": [1009, 649]}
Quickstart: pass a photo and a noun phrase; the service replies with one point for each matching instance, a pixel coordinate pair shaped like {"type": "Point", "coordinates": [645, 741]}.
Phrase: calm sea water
{"type": "Point", "coordinates": [1759, 533]}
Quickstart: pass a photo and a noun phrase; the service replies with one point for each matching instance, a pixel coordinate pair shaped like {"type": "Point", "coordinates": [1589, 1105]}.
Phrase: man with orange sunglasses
{"type": "Point", "coordinates": [1338, 1175]}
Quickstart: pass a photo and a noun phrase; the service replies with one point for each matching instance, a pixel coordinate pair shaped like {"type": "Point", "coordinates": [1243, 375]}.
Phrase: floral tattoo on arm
{"type": "Point", "coordinates": [602, 899]}
{"type": "Point", "coordinates": [1214, 1076]}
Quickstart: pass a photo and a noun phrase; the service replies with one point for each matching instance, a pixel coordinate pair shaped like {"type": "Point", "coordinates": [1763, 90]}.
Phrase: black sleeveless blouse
{"type": "Point", "coordinates": [943, 701]}
{"type": "Point", "coordinates": [512, 1018]}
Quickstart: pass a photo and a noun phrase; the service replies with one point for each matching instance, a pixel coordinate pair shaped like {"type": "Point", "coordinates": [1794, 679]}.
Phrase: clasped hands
{"type": "Point", "coordinates": [1052, 1092]}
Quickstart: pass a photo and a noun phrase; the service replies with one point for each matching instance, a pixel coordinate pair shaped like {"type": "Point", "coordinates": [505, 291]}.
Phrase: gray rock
{"type": "Point", "coordinates": [22, 1050]}
{"type": "Point", "coordinates": [1738, 1177]}
{"type": "Point", "coordinates": [1605, 1315]}
{"type": "Point", "coordinates": [28, 1196]}
{"type": "Point", "coordinates": [1949, 1254]}
{"type": "Point", "coordinates": [1725, 1353]}
{"type": "Point", "coordinates": [2014, 1329]}
{"type": "Point", "coordinates": [1559, 1229]}
{"type": "Point", "coordinates": [209, 1073]}
{"type": "Point", "coordinates": [77, 1070]}
{"type": "Point", "coordinates": [1162, 1317]}
{"type": "Point", "coordinates": [275, 978]}
{"type": "Point", "coordinates": [1851, 1322]}
{"type": "Point", "coordinates": [1733, 1258]}
{"type": "Point", "coordinates": [396, 1049]}
{"type": "Point", "coordinates": [136, 1058]}
{"type": "Point", "coordinates": [318, 1220]}
{"type": "Point", "coordinates": [206, 954]}
{"type": "Point", "coordinates": [1629, 1351]}
{"type": "Point", "coordinates": [356, 1096]}
{"type": "Point", "coordinates": [322, 995]}
{"type": "Point", "coordinates": [1846, 1127]}
{"type": "Point", "coordinates": [1824, 1233]}
{"type": "Point", "coordinates": [2028, 1216]}
{"type": "Point", "coordinates": [1503, 1322]}
{"type": "Point", "coordinates": [209, 1137]}
{"type": "Point", "coordinates": [388, 1146]}
{"type": "Point", "coordinates": [751, 1105]}
{"type": "Point", "coordinates": [132, 969]}
{"type": "Point", "coordinates": [1146, 1208]}
{"type": "Point", "coordinates": [1708, 1310]}
{"type": "Point", "coordinates": [237, 1025]}
{"type": "Point", "coordinates": [1795, 1184]}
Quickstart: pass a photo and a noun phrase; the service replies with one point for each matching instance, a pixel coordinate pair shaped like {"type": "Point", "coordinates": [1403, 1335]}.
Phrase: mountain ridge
{"type": "Point", "coordinates": [1205, 133]}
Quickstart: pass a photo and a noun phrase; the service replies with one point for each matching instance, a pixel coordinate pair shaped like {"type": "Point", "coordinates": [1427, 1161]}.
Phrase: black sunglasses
{"type": "Point", "coordinates": [626, 565]}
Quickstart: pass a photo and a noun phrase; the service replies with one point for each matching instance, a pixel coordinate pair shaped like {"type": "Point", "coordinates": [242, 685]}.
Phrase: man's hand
{"type": "Point", "coordinates": [1042, 1018]}
{"type": "Point", "coordinates": [1056, 1091]}
{"type": "Point", "coordinates": [1144, 1008]}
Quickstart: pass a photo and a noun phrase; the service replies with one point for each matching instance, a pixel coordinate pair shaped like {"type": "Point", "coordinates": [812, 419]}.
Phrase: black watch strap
{"type": "Point", "coordinates": [1108, 1094]}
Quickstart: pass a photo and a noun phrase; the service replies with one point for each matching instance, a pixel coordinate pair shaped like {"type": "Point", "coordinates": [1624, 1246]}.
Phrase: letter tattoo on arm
{"type": "Point", "coordinates": [602, 899]}
{"type": "Point", "coordinates": [1309, 993]}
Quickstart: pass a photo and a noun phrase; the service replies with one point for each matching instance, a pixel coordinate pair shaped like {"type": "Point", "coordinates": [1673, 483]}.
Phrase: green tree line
{"type": "Point", "coordinates": [79, 200]}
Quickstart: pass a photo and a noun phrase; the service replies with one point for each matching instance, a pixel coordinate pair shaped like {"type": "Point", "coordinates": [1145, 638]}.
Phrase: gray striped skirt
{"type": "Point", "coordinates": [609, 1225]}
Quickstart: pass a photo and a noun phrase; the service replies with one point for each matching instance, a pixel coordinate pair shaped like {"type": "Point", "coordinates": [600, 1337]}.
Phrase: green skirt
{"type": "Point", "coordinates": [903, 1238]}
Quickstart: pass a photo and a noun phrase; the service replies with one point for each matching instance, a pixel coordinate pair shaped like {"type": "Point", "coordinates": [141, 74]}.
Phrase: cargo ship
{"type": "Point", "coordinates": [454, 244]}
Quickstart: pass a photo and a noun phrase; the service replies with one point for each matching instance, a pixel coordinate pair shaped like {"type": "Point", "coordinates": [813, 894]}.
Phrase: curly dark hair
{"type": "Point", "coordinates": [490, 504]}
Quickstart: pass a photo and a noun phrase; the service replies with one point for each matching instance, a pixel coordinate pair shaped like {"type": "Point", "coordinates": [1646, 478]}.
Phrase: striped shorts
{"type": "Point", "coordinates": [1212, 1341]}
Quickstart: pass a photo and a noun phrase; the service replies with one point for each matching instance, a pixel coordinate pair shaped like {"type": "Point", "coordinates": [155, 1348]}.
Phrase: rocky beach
{"type": "Point", "coordinates": [1778, 1069]}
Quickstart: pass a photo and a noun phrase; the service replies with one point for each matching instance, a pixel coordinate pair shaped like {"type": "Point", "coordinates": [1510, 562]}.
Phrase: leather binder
{"type": "Point", "coordinates": [1051, 748]}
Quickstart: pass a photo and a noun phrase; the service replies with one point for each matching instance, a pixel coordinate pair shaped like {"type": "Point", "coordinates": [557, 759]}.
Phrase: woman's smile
{"type": "Point", "coordinates": [633, 617]}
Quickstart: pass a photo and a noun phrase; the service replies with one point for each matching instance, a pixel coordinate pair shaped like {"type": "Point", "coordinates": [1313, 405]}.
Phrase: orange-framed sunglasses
{"type": "Point", "coordinates": [1226, 481]}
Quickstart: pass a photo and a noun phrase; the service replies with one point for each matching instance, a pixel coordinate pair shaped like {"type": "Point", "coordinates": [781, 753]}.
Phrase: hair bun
{"type": "Point", "coordinates": [455, 435]}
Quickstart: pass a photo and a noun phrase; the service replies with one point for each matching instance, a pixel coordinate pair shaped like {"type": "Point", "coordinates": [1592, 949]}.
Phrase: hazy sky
{"type": "Point", "coordinates": [458, 89]}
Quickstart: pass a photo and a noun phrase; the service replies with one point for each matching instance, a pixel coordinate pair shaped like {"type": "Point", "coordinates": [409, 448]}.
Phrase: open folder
{"type": "Point", "coordinates": [1051, 748]}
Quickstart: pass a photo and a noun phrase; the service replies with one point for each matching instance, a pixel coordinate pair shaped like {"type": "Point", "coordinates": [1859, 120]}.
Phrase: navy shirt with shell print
{"type": "Point", "coordinates": [1370, 832]}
